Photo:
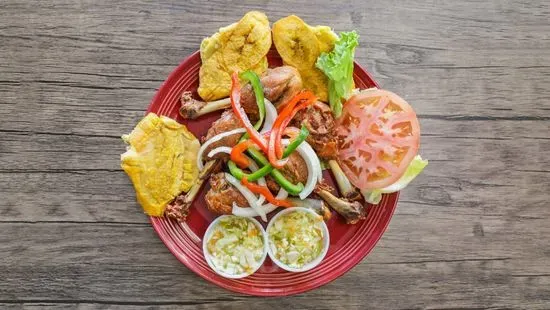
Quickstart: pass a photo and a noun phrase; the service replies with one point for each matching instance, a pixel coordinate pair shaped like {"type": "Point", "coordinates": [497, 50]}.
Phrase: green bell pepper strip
{"type": "Point", "coordinates": [268, 169]}
{"type": "Point", "coordinates": [254, 80]}
{"type": "Point", "coordinates": [293, 145]}
{"type": "Point", "coordinates": [293, 189]}
{"type": "Point", "coordinates": [239, 173]}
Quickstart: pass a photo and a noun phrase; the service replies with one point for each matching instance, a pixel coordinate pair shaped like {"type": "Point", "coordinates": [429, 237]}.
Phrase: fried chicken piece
{"type": "Point", "coordinates": [192, 108]}
{"type": "Point", "coordinates": [318, 119]}
{"type": "Point", "coordinates": [227, 121]}
{"type": "Point", "coordinates": [279, 84]}
{"type": "Point", "coordinates": [222, 194]}
{"type": "Point", "coordinates": [320, 122]}
{"type": "Point", "coordinates": [272, 184]}
{"type": "Point", "coordinates": [351, 211]}
{"type": "Point", "coordinates": [295, 171]}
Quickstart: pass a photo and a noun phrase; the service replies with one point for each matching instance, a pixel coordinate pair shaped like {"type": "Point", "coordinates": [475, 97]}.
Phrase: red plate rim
{"type": "Point", "coordinates": [355, 256]}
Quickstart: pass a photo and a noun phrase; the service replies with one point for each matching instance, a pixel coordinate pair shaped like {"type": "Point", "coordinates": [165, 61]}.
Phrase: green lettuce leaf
{"type": "Point", "coordinates": [338, 67]}
{"type": "Point", "coordinates": [415, 167]}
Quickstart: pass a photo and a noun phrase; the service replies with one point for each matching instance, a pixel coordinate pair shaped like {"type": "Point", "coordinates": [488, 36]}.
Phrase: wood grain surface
{"type": "Point", "coordinates": [472, 232]}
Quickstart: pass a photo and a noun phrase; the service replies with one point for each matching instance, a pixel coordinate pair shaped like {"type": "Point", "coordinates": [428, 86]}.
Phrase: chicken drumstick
{"type": "Point", "coordinates": [279, 84]}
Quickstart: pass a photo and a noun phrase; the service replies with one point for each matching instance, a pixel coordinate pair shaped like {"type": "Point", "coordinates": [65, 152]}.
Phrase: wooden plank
{"type": "Point", "coordinates": [65, 262]}
{"type": "Point", "coordinates": [77, 196]}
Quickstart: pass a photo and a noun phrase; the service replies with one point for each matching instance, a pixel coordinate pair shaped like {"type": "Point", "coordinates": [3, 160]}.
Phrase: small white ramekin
{"type": "Point", "coordinates": [208, 257]}
{"type": "Point", "coordinates": [313, 263]}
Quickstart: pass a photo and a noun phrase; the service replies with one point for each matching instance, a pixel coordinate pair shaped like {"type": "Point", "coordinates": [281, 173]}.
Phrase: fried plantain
{"type": "Point", "coordinates": [326, 38]}
{"type": "Point", "coordinates": [317, 82]}
{"type": "Point", "coordinates": [260, 67]}
{"type": "Point", "coordinates": [296, 42]}
{"type": "Point", "coordinates": [300, 45]}
{"type": "Point", "coordinates": [247, 43]}
{"type": "Point", "coordinates": [160, 161]}
{"type": "Point", "coordinates": [214, 81]}
{"type": "Point", "coordinates": [238, 47]}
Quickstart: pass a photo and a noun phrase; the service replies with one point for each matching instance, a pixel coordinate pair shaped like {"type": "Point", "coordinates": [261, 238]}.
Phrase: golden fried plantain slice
{"type": "Point", "coordinates": [160, 161]}
{"type": "Point", "coordinates": [216, 82]}
{"type": "Point", "coordinates": [326, 38]}
{"type": "Point", "coordinates": [261, 66]}
{"type": "Point", "coordinates": [247, 42]}
{"type": "Point", "coordinates": [296, 42]}
{"type": "Point", "coordinates": [240, 46]}
{"type": "Point", "coordinates": [300, 45]}
{"type": "Point", "coordinates": [317, 82]}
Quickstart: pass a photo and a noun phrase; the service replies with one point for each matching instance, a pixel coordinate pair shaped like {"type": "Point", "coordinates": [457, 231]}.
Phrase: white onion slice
{"type": "Point", "coordinates": [248, 195]}
{"type": "Point", "coordinates": [270, 116]}
{"type": "Point", "coordinates": [215, 139]}
{"type": "Point", "coordinates": [314, 171]}
{"type": "Point", "coordinates": [221, 149]}
{"type": "Point", "coordinates": [267, 208]}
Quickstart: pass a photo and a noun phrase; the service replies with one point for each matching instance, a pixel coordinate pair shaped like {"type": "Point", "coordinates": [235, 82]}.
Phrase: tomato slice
{"type": "Point", "coordinates": [378, 135]}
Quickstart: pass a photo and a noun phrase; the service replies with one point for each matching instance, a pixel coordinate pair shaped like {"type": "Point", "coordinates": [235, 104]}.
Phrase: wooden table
{"type": "Point", "coordinates": [472, 232]}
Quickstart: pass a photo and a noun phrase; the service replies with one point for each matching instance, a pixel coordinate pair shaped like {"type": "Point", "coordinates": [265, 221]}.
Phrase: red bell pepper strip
{"type": "Point", "coordinates": [275, 149]}
{"type": "Point", "coordinates": [278, 142]}
{"type": "Point", "coordinates": [307, 100]}
{"type": "Point", "coordinates": [235, 97]}
{"type": "Point", "coordinates": [264, 191]}
{"type": "Point", "coordinates": [272, 152]}
{"type": "Point", "coordinates": [237, 153]}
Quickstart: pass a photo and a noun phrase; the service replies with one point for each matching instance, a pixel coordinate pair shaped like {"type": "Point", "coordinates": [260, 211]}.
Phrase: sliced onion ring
{"type": "Point", "coordinates": [248, 195]}
{"type": "Point", "coordinates": [267, 208]}
{"type": "Point", "coordinates": [221, 149]}
{"type": "Point", "coordinates": [270, 116]}
{"type": "Point", "coordinates": [314, 171]}
{"type": "Point", "coordinates": [215, 139]}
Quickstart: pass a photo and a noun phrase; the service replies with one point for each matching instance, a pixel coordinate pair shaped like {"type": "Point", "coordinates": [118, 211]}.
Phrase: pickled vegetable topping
{"type": "Point", "coordinates": [236, 245]}
{"type": "Point", "coordinates": [296, 238]}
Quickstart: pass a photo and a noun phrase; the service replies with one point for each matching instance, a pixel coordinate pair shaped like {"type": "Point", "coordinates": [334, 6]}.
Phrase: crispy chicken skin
{"type": "Point", "coordinates": [295, 171]}
{"type": "Point", "coordinates": [280, 84]}
{"type": "Point", "coordinates": [221, 195]}
{"type": "Point", "coordinates": [319, 120]}
{"type": "Point", "coordinates": [227, 121]}
{"type": "Point", "coordinates": [351, 211]}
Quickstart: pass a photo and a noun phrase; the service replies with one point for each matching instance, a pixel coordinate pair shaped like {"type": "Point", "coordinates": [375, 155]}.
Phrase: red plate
{"type": "Point", "coordinates": [349, 244]}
